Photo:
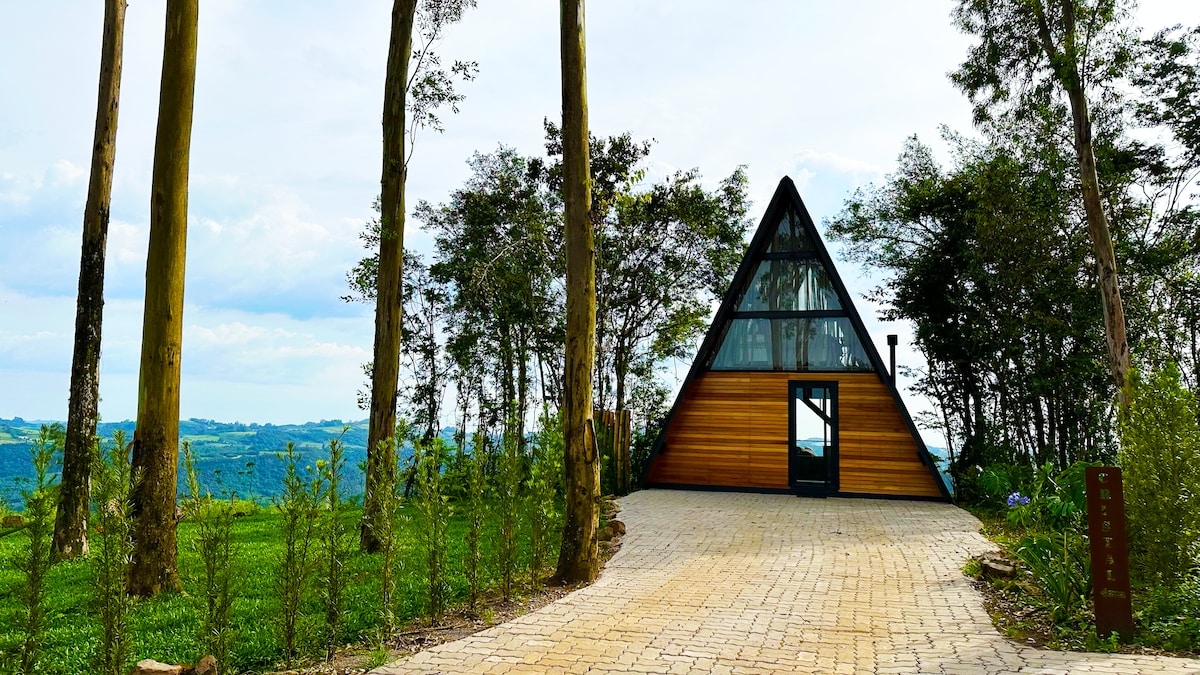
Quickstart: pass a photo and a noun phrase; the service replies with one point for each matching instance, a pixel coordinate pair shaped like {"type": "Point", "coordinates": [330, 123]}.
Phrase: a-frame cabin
{"type": "Point", "coordinates": [787, 392]}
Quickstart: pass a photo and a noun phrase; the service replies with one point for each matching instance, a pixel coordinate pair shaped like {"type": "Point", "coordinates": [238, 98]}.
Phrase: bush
{"type": "Point", "coordinates": [337, 548]}
{"type": "Point", "coordinates": [1160, 460]}
{"type": "Point", "coordinates": [112, 549]}
{"type": "Point", "coordinates": [434, 509]}
{"type": "Point", "coordinates": [544, 496]}
{"type": "Point", "coordinates": [300, 507]}
{"type": "Point", "coordinates": [476, 513]}
{"type": "Point", "coordinates": [1061, 566]}
{"type": "Point", "coordinates": [217, 549]}
{"type": "Point", "coordinates": [34, 564]}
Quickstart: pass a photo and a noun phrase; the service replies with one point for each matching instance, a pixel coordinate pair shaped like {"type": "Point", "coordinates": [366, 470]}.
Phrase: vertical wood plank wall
{"type": "Point", "coordinates": [731, 430]}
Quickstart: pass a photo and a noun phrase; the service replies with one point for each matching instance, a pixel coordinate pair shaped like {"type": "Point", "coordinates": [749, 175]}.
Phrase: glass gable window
{"type": "Point", "coordinates": [791, 236]}
{"type": "Point", "coordinates": [789, 285]}
{"type": "Point", "coordinates": [792, 343]}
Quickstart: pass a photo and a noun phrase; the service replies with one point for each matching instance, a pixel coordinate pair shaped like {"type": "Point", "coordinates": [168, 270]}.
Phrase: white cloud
{"type": "Point", "coordinates": [67, 173]}
{"type": "Point", "coordinates": [17, 189]}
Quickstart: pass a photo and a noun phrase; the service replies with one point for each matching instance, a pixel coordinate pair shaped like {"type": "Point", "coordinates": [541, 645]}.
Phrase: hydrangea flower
{"type": "Point", "coordinates": [1017, 499]}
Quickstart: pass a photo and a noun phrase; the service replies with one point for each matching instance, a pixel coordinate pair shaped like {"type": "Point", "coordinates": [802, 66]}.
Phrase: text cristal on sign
{"type": "Point", "coordinates": [1110, 551]}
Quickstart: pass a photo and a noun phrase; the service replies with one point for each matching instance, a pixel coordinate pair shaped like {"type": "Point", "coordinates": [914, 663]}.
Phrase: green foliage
{"type": "Point", "coordinates": [1160, 463]}
{"type": "Point", "coordinates": [111, 552]}
{"type": "Point", "coordinates": [640, 448]}
{"type": "Point", "coordinates": [1061, 566]}
{"type": "Point", "coordinates": [300, 507]}
{"type": "Point", "coordinates": [165, 628]}
{"type": "Point", "coordinates": [434, 509]}
{"type": "Point", "coordinates": [1170, 617]}
{"type": "Point", "coordinates": [476, 514]}
{"type": "Point", "coordinates": [217, 549]}
{"type": "Point", "coordinates": [384, 523]}
{"type": "Point", "coordinates": [985, 259]}
{"type": "Point", "coordinates": [973, 568]}
{"type": "Point", "coordinates": [34, 563]}
{"type": "Point", "coordinates": [336, 546]}
{"type": "Point", "coordinates": [544, 496]}
{"type": "Point", "coordinates": [508, 505]}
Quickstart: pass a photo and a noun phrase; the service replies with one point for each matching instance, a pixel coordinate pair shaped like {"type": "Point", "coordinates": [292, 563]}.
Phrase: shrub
{"type": "Point", "coordinates": [1160, 460]}
{"type": "Point", "coordinates": [545, 483]}
{"type": "Point", "coordinates": [383, 524]}
{"type": "Point", "coordinates": [508, 503]}
{"type": "Point", "coordinates": [300, 507]}
{"type": "Point", "coordinates": [1061, 566]}
{"type": "Point", "coordinates": [112, 550]}
{"type": "Point", "coordinates": [214, 542]}
{"type": "Point", "coordinates": [337, 548]}
{"type": "Point", "coordinates": [434, 509]}
{"type": "Point", "coordinates": [34, 564]}
{"type": "Point", "coordinates": [476, 514]}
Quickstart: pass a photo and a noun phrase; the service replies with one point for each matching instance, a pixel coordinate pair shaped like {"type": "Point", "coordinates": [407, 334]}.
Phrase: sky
{"type": "Point", "coordinates": [286, 152]}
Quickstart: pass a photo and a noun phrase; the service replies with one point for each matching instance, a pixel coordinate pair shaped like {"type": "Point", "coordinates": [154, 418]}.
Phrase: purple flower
{"type": "Point", "coordinates": [1017, 499]}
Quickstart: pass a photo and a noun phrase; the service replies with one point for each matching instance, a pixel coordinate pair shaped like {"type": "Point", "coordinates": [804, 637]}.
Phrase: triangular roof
{"type": "Point", "coordinates": [787, 231]}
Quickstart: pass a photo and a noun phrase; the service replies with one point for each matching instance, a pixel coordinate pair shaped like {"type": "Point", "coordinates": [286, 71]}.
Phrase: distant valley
{"type": "Point", "coordinates": [233, 458]}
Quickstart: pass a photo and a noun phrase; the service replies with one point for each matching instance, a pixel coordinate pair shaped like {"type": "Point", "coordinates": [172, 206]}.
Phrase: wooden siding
{"type": "Point", "coordinates": [731, 430]}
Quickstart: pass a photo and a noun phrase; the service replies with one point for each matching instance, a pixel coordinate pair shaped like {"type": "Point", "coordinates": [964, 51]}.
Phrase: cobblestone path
{"type": "Point", "coordinates": [709, 582]}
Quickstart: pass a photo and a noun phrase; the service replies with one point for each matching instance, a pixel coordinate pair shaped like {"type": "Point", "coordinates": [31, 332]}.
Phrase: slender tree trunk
{"type": "Point", "coordinates": [70, 524]}
{"type": "Point", "coordinates": [1098, 232]}
{"type": "Point", "coordinates": [385, 370]}
{"type": "Point", "coordinates": [156, 439]}
{"type": "Point", "coordinates": [578, 559]}
{"type": "Point", "coordinates": [620, 371]}
{"type": "Point", "coordinates": [1066, 67]}
{"type": "Point", "coordinates": [522, 385]}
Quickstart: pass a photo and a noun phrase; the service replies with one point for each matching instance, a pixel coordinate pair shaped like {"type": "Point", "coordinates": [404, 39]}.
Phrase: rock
{"type": "Point", "coordinates": [606, 534]}
{"type": "Point", "coordinates": [995, 569]}
{"type": "Point", "coordinates": [206, 666]}
{"type": "Point", "coordinates": [13, 521]}
{"type": "Point", "coordinates": [152, 667]}
{"type": "Point", "coordinates": [617, 526]}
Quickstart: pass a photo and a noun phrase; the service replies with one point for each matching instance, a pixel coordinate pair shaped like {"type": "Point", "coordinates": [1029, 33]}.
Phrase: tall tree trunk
{"type": "Point", "coordinates": [621, 371]}
{"type": "Point", "coordinates": [578, 559]}
{"type": "Point", "coordinates": [1098, 232]}
{"type": "Point", "coordinates": [522, 385]}
{"type": "Point", "coordinates": [385, 370]}
{"type": "Point", "coordinates": [156, 438]}
{"type": "Point", "coordinates": [70, 523]}
{"type": "Point", "coordinates": [1065, 62]}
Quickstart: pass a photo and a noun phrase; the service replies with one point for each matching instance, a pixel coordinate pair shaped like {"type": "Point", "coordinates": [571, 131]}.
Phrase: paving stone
{"type": "Point", "coordinates": [709, 582]}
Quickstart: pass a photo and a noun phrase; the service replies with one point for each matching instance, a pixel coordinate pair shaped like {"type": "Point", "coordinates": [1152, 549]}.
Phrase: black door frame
{"type": "Point", "coordinates": [830, 485]}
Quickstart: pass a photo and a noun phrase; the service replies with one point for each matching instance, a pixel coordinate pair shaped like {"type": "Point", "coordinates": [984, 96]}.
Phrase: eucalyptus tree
{"type": "Point", "coordinates": [1167, 76]}
{"type": "Point", "coordinates": [414, 88]}
{"type": "Point", "coordinates": [578, 555]}
{"type": "Point", "coordinates": [156, 437]}
{"type": "Point", "coordinates": [70, 524]}
{"type": "Point", "coordinates": [1029, 54]}
{"type": "Point", "coordinates": [983, 259]}
{"type": "Point", "coordinates": [498, 252]}
{"type": "Point", "coordinates": [662, 256]}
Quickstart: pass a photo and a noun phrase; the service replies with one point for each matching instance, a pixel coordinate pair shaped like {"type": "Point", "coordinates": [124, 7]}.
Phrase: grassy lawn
{"type": "Point", "coordinates": [166, 628]}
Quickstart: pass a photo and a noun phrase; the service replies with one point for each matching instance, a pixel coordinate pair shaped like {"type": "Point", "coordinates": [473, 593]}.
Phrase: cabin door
{"type": "Point", "coordinates": [813, 437]}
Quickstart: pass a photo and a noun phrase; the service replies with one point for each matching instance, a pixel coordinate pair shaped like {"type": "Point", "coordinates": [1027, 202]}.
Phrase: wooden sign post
{"type": "Point", "coordinates": [1110, 551]}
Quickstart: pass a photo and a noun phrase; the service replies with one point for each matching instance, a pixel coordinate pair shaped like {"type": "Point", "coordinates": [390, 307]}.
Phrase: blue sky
{"type": "Point", "coordinates": [286, 154]}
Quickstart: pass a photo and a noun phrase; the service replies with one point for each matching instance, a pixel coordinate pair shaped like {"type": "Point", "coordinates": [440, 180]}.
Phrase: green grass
{"type": "Point", "coordinates": [165, 628]}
